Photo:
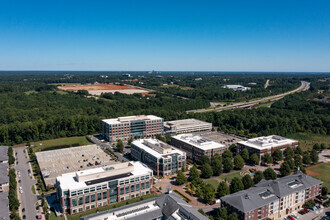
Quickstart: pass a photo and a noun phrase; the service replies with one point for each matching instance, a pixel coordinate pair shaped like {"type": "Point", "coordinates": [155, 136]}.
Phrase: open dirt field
{"type": "Point", "coordinates": [102, 88]}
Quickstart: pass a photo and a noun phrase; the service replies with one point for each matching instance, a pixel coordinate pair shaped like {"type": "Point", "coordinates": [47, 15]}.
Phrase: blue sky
{"type": "Point", "coordinates": [263, 35]}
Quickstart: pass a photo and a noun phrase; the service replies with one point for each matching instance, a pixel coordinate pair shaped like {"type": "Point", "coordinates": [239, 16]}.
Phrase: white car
{"type": "Point", "coordinates": [21, 191]}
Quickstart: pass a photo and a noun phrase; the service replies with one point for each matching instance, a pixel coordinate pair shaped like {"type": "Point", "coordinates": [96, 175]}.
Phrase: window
{"type": "Point", "coordinates": [142, 186]}
{"type": "Point", "coordinates": [121, 191]}
{"type": "Point", "coordinates": [86, 190]}
{"type": "Point", "coordinates": [98, 187]}
{"type": "Point", "coordinates": [132, 188]}
{"type": "Point", "coordinates": [80, 209]}
{"type": "Point", "coordinates": [147, 185]}
{"type": "Point", "coordinates": [126, 181]}
{"type": "Point", "coordinates": [80, 192]}
{"type": "Point", "coordinates": [142, 177]}
{"type": "Point", "coordinates": [99, 196]}
{"type": "Point", "coordinates": [132, 180]}
{"type": "Point", "coordinates": [93, 198]}
{"type": "Point", "coordinates": [92, 206]}
{"type": "Point", "coordinates": [92, 189]}
{"type": "Point", "coordinates": [121, 182]}
{"type": "Point", "coordinates": [127, 197]}
{"type": "Point", "coordinates": [74, 202]}
{"type": "Point", "coordinates": [66, 193]}
{"type": "Point", "coordinates": [80, 200]}
{"type": "Point", "coordinates": [147, 177]}
{"type": "Point", "coordinates": [137, 187]}
{"type": "Point", "coordinates": [127, 189]}
{"type": "Point", "coordinates": [137, 179]}
{"type": "Point", "coordinates": [104, 186]}
{"type": "Point", "coordinates": [74, 211]}
{"type": "Point", "coordinates": [73, 193]}
{"type": "Point", "coordinates": [86, 199]}
{"type": "Point", "coordinates": [87, 207]}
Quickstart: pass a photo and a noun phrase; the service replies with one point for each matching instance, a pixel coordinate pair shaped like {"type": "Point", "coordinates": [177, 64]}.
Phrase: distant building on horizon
{"type": "Point", "coordinates": [134, 127]}
{"type": "Point", "coordinates": [266, 145]}
{"type": "Point", "coordinates": [236, 87]}
{"type": "Point", "coordinates": [162, 158]}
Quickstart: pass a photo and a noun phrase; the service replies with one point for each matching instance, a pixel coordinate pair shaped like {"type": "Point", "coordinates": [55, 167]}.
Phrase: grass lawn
{"type": "Point", "coordinates": [81, 140]}
{"type": "Point", "coordinates": [230, 176]}
{"type": "Point", "coordinates": [320, 172]}
{"type": "Point", "coordinates": [306, 141]}
{"type": "Point", "coordinates": [213, 182]}
{"type": "Point", "coordinates": [53, 217]}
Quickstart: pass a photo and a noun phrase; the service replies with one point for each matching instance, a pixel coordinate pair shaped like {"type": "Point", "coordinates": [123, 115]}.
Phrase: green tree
{"type": "Point", "coordinates": [245, 154]}
{"type": "Point", "coordinates": [306, 158]}
{"type": "Point", "coordinates": [317, 147]}
{"type": "Point", "coordinates": [233, 216]}
{"type": "Point", "coordinates": [207, 171]}
{"type": "Point", "coordinates": [130, 141]}
{"type": "Point", "coordinates": [285, 169]}
{"type": "Point", "coordinates": [227, 165]}
{"type": "Point", "coordinates": [247, 181]}
{"type": "Point", "coordinates": [323, 146]}
{"type": "Point", "coordinates": [223, 189]}
{"type": "Point", "coordinates": [267, 159]}
{"type": "Point", "coordinates": [277, 155]}
{"type": "Point", "coordinates": [238, 162]}
{"type": "Point", "coordinates": [120, 146]}
{"type": "Point", "coordinates": [217, 166]}
{"type": "Point", "coordinates": [258, 176]}
{"type": "Point", "coordinates": [314, 156]}
{"type": "Point", "coordinates": [233, 148]}
{"type": "Point", "coordinates": [236, 185]}
{"type": "Point", "coordinates": [298, 150]}
{"type": "Point", "coordinates": [297, 160]}
{"type": "Point", "coordinates": [254, 159]}
{"type": "Point", "coordinates": [227, 154]}
{"type": "Point", "coordinates": [324, 191]}
{"type": "Point", "coordinates": [270, 174]}
{"type": "Point", "coordinates": [193, 173]}
{"type": "Point", "coordinates": [205, 159]}
{"type": "Point", "coordinates": [290, 161]}
{"type": "Point", "coordinates": [181, 178]}
{"type": "Point", "coordinates": [11, 158]}
{"type": "Point", "coordinates": [289, 152]}
{"type": "Point", "coordinates": [223, 214]}
{"type": "Point", "coordinates": [208, 193]}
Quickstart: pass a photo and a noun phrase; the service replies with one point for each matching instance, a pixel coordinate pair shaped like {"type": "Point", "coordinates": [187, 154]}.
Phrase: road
{"type": "Point", "coordinates": [107, 145]}
{"type": "Point", "coordinates": [27, 198]}
{"type": "Point", "coordinates": [303, 87]}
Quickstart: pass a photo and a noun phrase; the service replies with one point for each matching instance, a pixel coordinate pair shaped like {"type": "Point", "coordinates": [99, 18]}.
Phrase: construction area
{"type": "Point", "coordinates": [222, 138]}
{"type": "Point", "coordinates": [57, 162]}
{"type": "Point", "coordinates": [98, 89]}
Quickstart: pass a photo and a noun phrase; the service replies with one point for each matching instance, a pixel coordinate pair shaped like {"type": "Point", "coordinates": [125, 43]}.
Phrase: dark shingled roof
{"type": "Point", "coordinates": [3, 153]}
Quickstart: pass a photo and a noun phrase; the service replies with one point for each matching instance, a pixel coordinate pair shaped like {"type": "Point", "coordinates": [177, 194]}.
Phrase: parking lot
{"type": "Point", "coordinates": [317, 214]}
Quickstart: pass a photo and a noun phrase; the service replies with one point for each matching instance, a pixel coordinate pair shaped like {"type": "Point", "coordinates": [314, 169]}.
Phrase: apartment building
{"type": "Point", "coordinates": [165, 206]}
{"type": "Point", "coordinates": [135, 127]}
{"type": "Point", "coordinates": [84, 190]}
{"type": "Point", "coordinates": [3, 154]}
{"type": "Point", "coordinates": [187, 126]}
{"type": "Point", "coordinates": [162, 158]}
{"type": "Point", "coordinates": [4, 179]}
{"type": "Point", "coordinates": [273, 199]}
{"type": "Point", "coordinates": [196, 146]}
{"type": "Point", "coordinates": [266, 145]}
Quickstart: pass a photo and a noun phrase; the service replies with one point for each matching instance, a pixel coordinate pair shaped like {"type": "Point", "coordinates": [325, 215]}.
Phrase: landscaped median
{"type": "Point", "coordinates": [185, 198]}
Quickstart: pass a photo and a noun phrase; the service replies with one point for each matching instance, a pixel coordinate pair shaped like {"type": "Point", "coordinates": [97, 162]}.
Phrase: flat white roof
{"type": "Point", "coordinates": [140, 143]}
{"type": "Point", "coordinates": [198, 141]}
{"type": "Point", "coordinates": [128, 119]}
{"type": "Point", "coordinates": [186, 123]}
{"type": "Point", "coordinates": [267, 142]}
{"type": "Point", "coordinates": [69, 181]}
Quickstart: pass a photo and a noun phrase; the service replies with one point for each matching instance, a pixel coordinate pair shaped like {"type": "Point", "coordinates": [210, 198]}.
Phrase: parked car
{"type": "Point", "coordinates": [23, 209]}
{"type": "Point", "coordinates": [39, 217]}
{"type": "Point", "coordinates": [290, 218]}
{"type": "Point", "coordinates": [24, 217]}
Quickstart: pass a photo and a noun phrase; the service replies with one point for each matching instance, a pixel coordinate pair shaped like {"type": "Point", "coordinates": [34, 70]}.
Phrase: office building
{"type": "Point", "coordinates": [187, 126]}
{"type": "Point", "coordinates": [135, 127]}
{"type": "Point", "coordinates": [166, 206]}
{"type": "Point", "coordinates": [266, 145]}
{"type": "Point", "coordinates": [273, 199]}
{"type": "Point", "coordinates": [162, 158]}
{"type": "Point", "coordinates": [84, 190]}
{"type": "Point", "coordinates": [196, 146]}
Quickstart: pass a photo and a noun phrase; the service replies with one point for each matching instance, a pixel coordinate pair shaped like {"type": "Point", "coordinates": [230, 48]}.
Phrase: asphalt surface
{"type": "Point", "coordinates": [303, 87]}
{"type": "Point", "coordinates": [27, 198]}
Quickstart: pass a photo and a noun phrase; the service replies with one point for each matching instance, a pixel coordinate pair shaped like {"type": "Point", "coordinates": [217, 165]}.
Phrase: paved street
{"type": "Point", "coordinates": [27, 198]}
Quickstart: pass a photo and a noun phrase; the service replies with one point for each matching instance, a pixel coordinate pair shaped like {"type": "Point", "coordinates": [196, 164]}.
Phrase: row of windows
{"type": "Point", "coordinates": [134, 188]}
{"type": "Point", "coordinates": [87, 190]}
{"type": "Point", "coordinates": [132, 180]}
{"type": "Point", "coordinates": [89, 198]}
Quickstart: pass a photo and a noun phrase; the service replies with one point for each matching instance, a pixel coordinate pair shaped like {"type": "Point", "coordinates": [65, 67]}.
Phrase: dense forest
{"type": "Point", "coordinates": [32, 108]}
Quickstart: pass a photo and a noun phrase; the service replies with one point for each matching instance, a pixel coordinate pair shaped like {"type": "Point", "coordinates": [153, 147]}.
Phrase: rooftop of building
{"type": "Point", "coordinates": [186, 123]}
{"type": "Point", "coordinates": [81, 179]}
{"type": "Point", "coordinates": [4, 173]}
{"type": "Point", "coordinates": [128, 119]}
{"type": "Point", "coordinates": [268, 191]}
{"type": "Point", "coordinates": [165, 206]}
{"type": "Point", "coordinates": [157, 148]}
{"type": "Point", "coordinates": [233, 86]}
{"type": "Point", "coordinates": [3, 153]}
{"type": "Point", "coordinates": [56, 162]}
{"type": "Point", "coordinates": [267, 142]}
{"type": "Point", "coordinates": [4, 206]}
{"type": "Point", "coordinates": [198, 141]}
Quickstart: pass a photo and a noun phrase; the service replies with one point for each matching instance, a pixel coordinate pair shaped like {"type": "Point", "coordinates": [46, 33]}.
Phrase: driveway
{"type": "Point", "coordinates": [324, 156]}
{"type": "Point", "coordinates": [27, 198]}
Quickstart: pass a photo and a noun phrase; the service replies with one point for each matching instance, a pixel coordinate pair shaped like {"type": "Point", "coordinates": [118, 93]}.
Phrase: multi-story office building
{"type": "Point", "coordinates": [266, 145]}
{"type": "Point", "coordinates": [187, 126]}
{"type": "Point", "coordinates": [196, 146]}
{"type": "Point", "coordinates": [273, 199]}
{"type": "Point", "coordinates": [135, 127]}
{"type": "Point", "coordinates": [162, 158]}
{"type": "Point", "coordinates": [165, 206]}
{"type": "Point", "coordinates": [89, 189]}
